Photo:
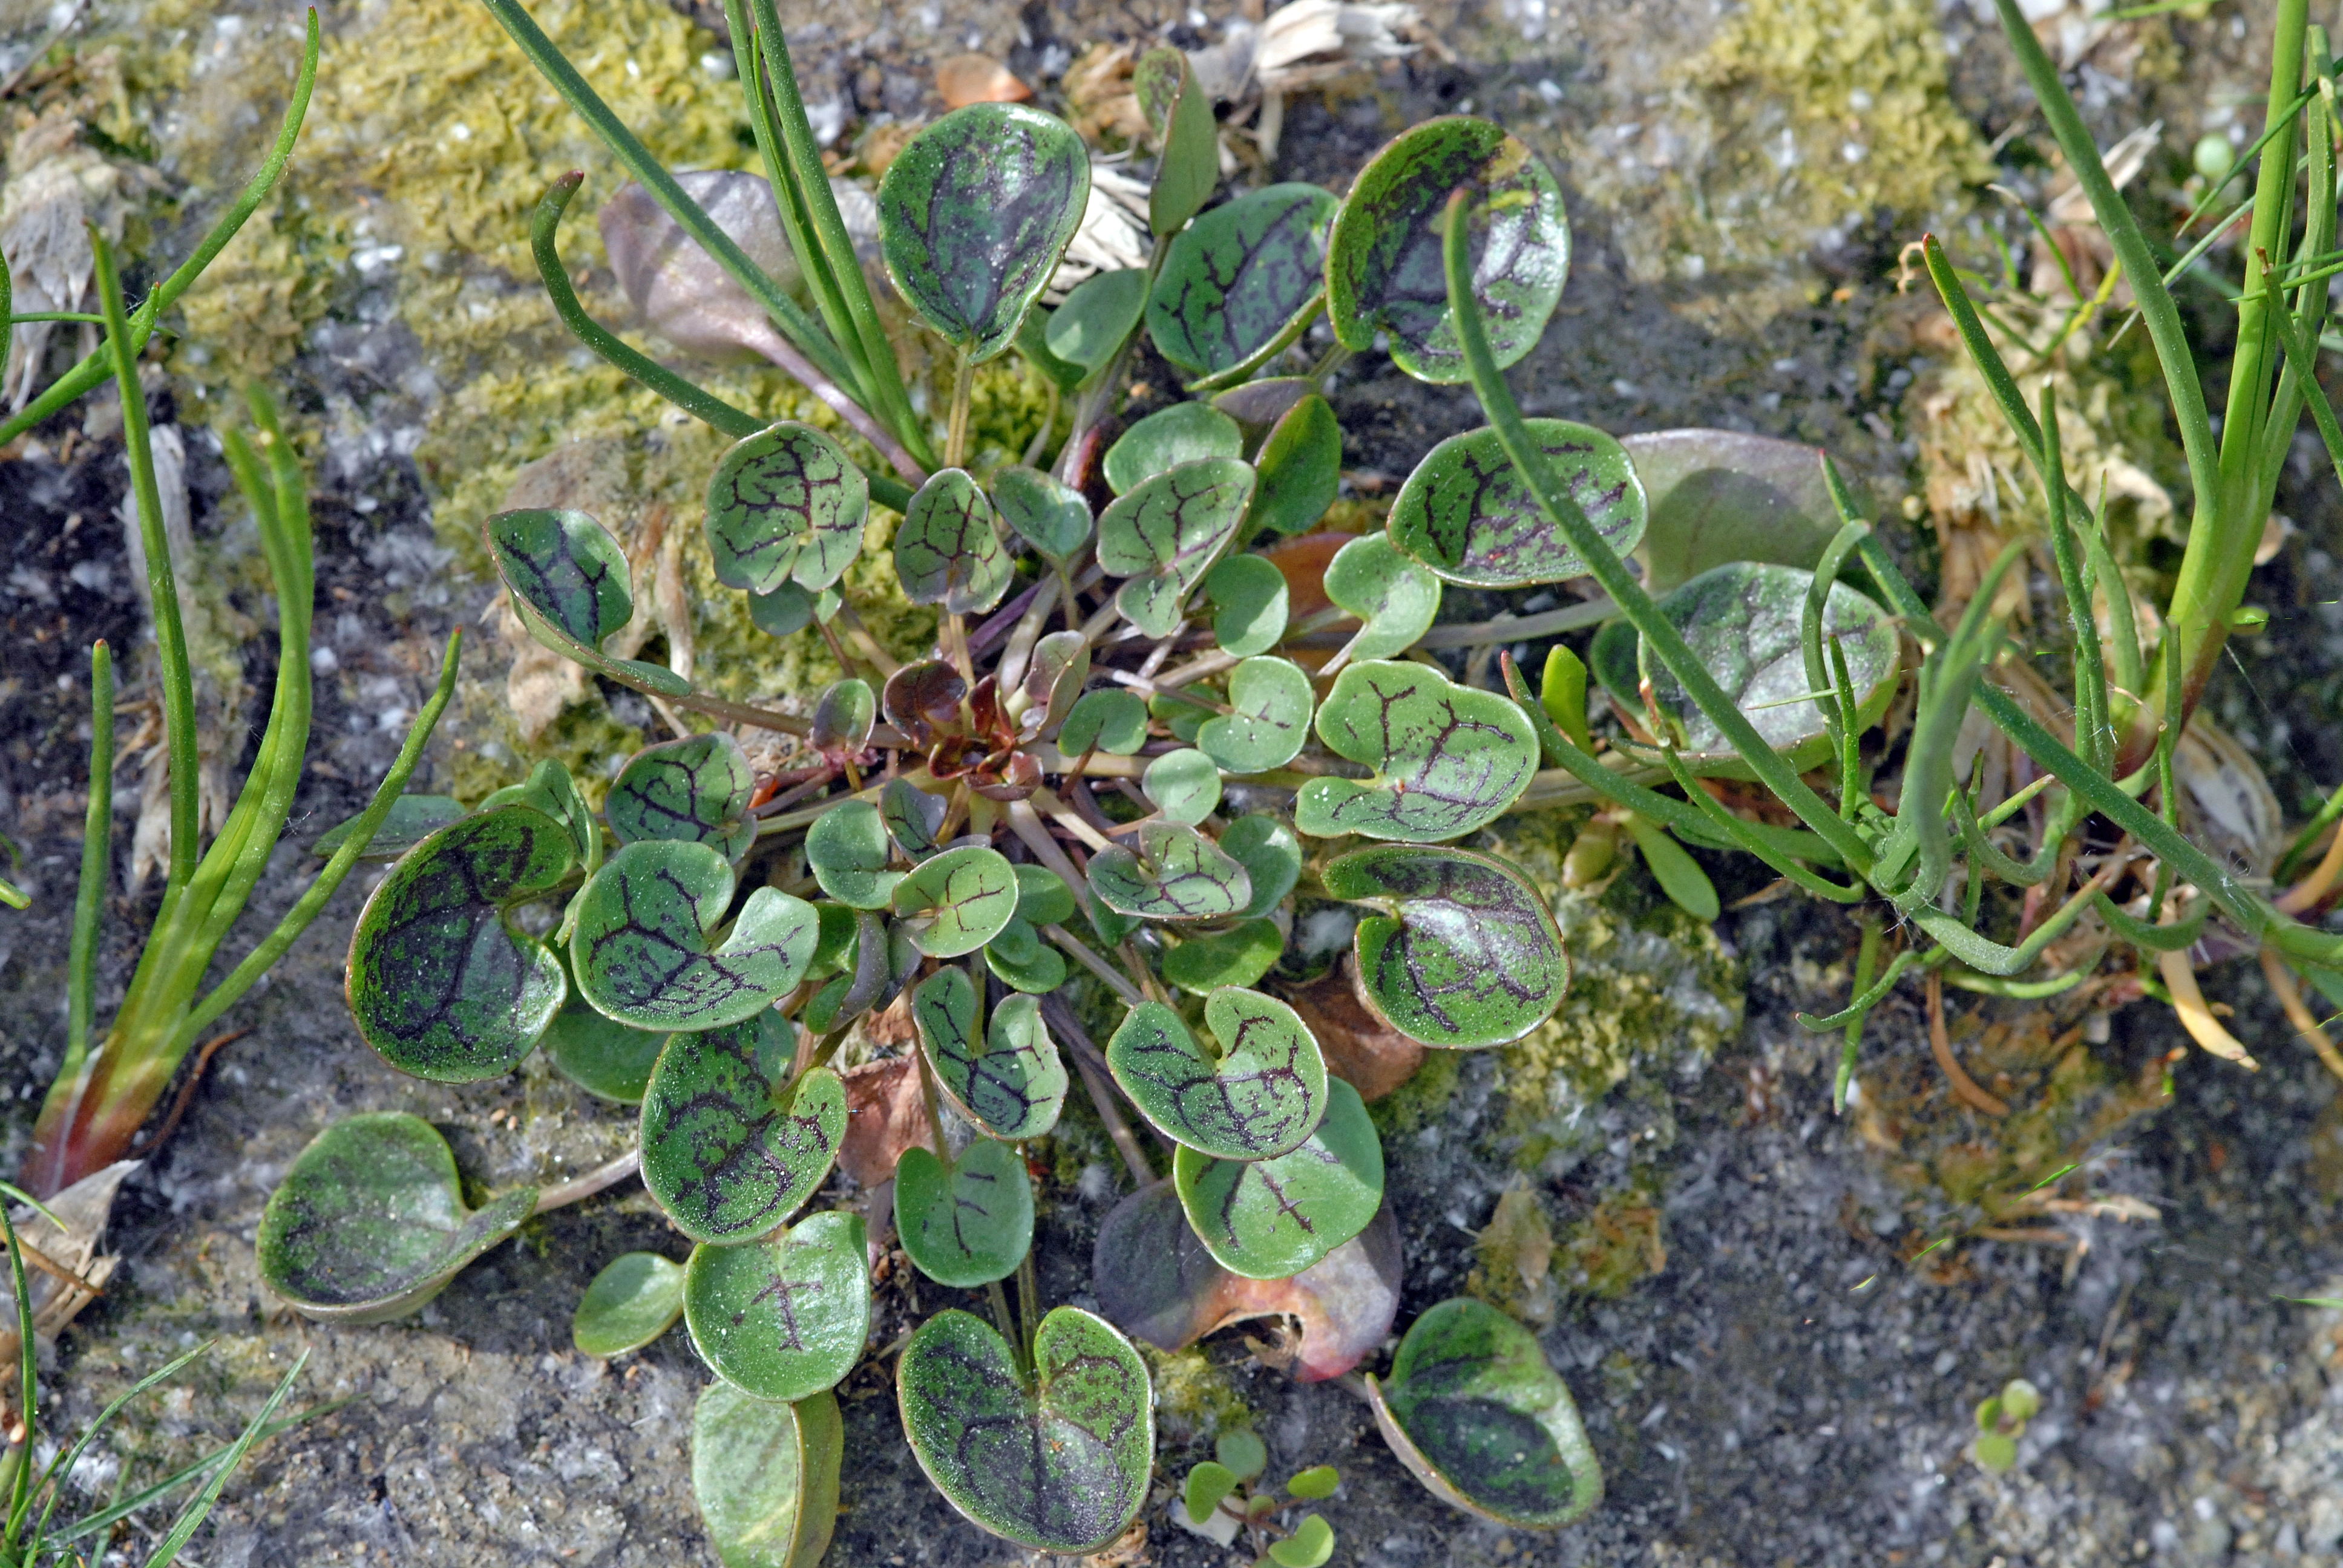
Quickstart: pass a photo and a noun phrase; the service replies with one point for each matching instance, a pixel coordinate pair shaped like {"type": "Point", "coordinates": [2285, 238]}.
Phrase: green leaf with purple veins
{"type": "Point", "coordinates": [787, 505]}
{"type": "Point", "coordinates": [1273, 702]}
{"type": "Point", "coordinates": [956, 901]}
{"type": "Point", "coordinates": [443, 982]}
{"type": "Point", "coordinates": [1271, 1219]}
{"type": "Point", "coordinates": [1395, 596]}
{"type": "Point", "coordinates": [568, 579]}
{"type": "Point", "coordinates": [646, 949]}
{"type": "Point", "coordinates": [974, 214]}
{"type": "Point", "coordinates": [1238, 956]}
{"type": "Point", "coordinates": [550, 790]}
{"type": "Point", "coordinates": [846, 849]}
{"type": "Point", "coordinates": [1260, 1096]}
{"type": "Point", "coordinates": [633, 1300]}
{"type": "Point", "coordinates": [842, 718]}
{"type": "Point", "coordinates": [732, 1146]}
{"type": "Point", "coordinates": [1447, 759]}
{"type": "Point", "coordinates": [1182, 433]}
{"type": "Point", "coordinates": [412, 820]}
{"type": "Point", "coordinates": [1053, 682]}
{"type": "Point", "coordinates": [1242, 282]}
{"type": "Point", "coordinates": [1058, 1462]}
{"type": "Point", "coordinates": [1009, 1079]}
{"type": "Point", "coordinates": [689, 791]}
{"type": "Point", "coordinates": [1050, 517]}
{"type": "Point", "coordinates": [1384, 268]}
{"type": "Point", "coordinates": [1301, 466]}
{"type": "Point", "coordinates": [1270, 855]}
{"type": "Point", "coordinates": [600, 1055]}
{"type": "Point", "coordinates": [1174, 874]}
{"type": "Point", "coordinates": [1165, 535]}
{"type": "Point", "coordinates": [947, 551]}
{"type": "Point", "coordinates": [765, 1476]}
{"type": "Point", "coordinates": [1251, 602]}
{"type": "Point", "coordinates": [782, 1317]}
{"type": "Point", "coordinates": [913, 817]}
{"type": "Point", "coordinates": [967, 1223]}
{"type": "Point", "coordinates": [1184, 785]}
{"type": "Point", "coordinates": [1465, 513]}
{"type": "Point", "coordinates": [1466, 952]}
{"type": "Point", "coordinates": [1112, 718]}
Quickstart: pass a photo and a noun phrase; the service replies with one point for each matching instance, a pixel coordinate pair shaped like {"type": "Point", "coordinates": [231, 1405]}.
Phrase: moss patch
{"type": "Point", "coordinates": [1194, 1399]}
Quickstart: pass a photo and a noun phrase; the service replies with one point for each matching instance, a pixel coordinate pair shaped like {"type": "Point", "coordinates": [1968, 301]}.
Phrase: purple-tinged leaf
{"type": "Point", "coordinates": [643, 953]}
{"type": "Point", "coordinates": [695, 790]}
{"type": "Point", "coordinates": [731, 1147]}
{"type": "Point", "coordinates": [787, 505]}
{"type": "Point", "coordinates": [1260, 1095]}
{"type": "Point", "coordinates": [947, 550]}
{"type": "Point", "coordinates": [1465, 513]}
{"type": "Point", "coordinates": [1465, 953]}
{"type": "Point", "coordinates": [1448, 758]}
{"type": "Point", "coordinates": [1165, 535]}
{"type": "Point", "coordinates": [1008, 1079]}
{"type": "Point", "coordinates": [1271, 1219]}
{"type": "Point", "coordinates": [782, 1317]}
{"type": "Point", "coordinates": [968, 1222]}
{"type": "Point", "coordinates": [1175, 874]}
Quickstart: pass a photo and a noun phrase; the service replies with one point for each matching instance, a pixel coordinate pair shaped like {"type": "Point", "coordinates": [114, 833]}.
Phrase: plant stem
{"type": "Point", "coordinates": [594, 1181]}
{"type": "Point", "coordinates": [963, 390]}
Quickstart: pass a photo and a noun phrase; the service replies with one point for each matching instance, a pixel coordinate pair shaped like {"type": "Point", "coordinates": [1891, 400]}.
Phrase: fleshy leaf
{"type": "Point", "coordinates": [766, 1476]}
{"type": "Point", "coordinates": [1242, 282]}
{"type": "Point", "coordinates": [843, 716]}
{"type": "Point", "coordinates": [1720, 496]}
{"type": "Point", "coordinates": [1465, 513]}
{"type": "Point", "coordinates": [1165, 535]}
{"type": "Point", "coordinates": [784, 612]}
{"type": "Point", "coordinates": [1272, 701]}
{"type": "Point", "coordinates": [1236, 957]}
{"type": "Point", "coordinates": [1301, 467]}
{"type": "Point", "coordinates": [1053, 682]}
{"type": "Point", "coordinates": [783, 1317]}
{"type": "Point", "coordinates": [1019, 958]}
{"type": "Point", "coordinates": [1013, 1083]}
{"type": "Point", "coordinates": [1043, 896]}
{"type": "Point", "coordinates": [1098, 315]}
{"type": "Point", "coordinates": [642, 953]}
{"type": "Point", "coordinates": [600, 1055]}
{"type": "Point", "coordinates": [1185, 784]}
{"type": "Point", "coordinates": [1466, 952]}
{"type": "Point", "coordinates": [961, 897]}
{"type": "Point", "coordinates": [969, 1222]}
{"type": "Point", "coordinates": [846, 849]}
{"type": "Point", "coordinates": [1271, 1219]}
{"type": "Point", "coordinates": [1447, 759]}
{"type": "Point", "coordinates": [1270, 855]}
{"type": "Point", "coordinates": [946, 549]}
{"type": "Point", "coordinates": [633, 1300]}
{"type": "Point", "coordinates": [1249, 598]}
{"type": "Point", "coordinates": [1050, 517]}
{"type": "Point", "coordinates": [921, 697]}
{"type": "Point", "coordinates": [370, 1223]}
{"type": "Point", "coordinates": [1179, 108]}
{"type": "Point", "coordinates": [1112, 718]}
{"type": "Point", "coordinates": [550, 791]}
{"type": "Point", "coordinates": [412, 820]}
{"type": "Point", "coordinates": [1182, 433]}
{"type": "Point", "coordinates": [688, 791]}
{"type": "Point", "coordinates": [1175, 874]}
{"type": "Point", "coordinates": [1474, 1411]}
{"type": "Point", "coordinates": [787, 505]}
{"type": "Point", "coordinates": [1260, 1097]}
{"type": "Point", "coordinates": [974, 214]}
{"type": "Point", "coordinates": [913, 817]}
{"type": "Point", "coordinates": [1059, 1463]}
{"type": "Point", "coordinates": [569, 582]}
{"type": "Point", "coordinates": [442, 984]}
{"type": "Point", "coordinates": [730, 1146]}
{"type": "Point", "coordinates": [1395, 596]}
{"type": "Point", "coordinates": [1384, 270]}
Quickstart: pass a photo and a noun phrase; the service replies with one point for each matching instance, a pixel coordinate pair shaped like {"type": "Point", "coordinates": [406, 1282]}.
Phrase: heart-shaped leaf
{"type": "Point", "coordinates": [783, 1317]}
{"type": "Point", "coordinates": [732, 1146]}
{"type": "Point", "coordinates": [1720, 496]}
{"type": "Point", "coordinates": [1010, 1082]}
{"type": "Point", "coordinates": [1261, 1096]}
{"type": "Point", "coordinates": [1248, 597]}
{"type": "Point", "coordinates": [1183, 433]}
{"type": "Point", "coordinates": [1236, 957]}
{"type": "Point", "coordinates": [922, 697]}
{"type": "Point", "coordinates": [1395, 596]}
{"type": "Point", "coordinates": [1053, 681]}
{"type": "Point", "coordinates": [1301, 467]}
{"type": "Point", "coordinates": [1096, 318]}
{"type": "Point", "coordinates": [1383, 271]}
{"type": "Point", "coordinates": [1465, 513]}
{"type": "Point", "coordinates": [846, 849]}
{"type": "Point", "coordinates": [1165, 535]}
{"type": "Point", "coordinates": [1112, 719]}
{"type": "Point", "coordinates": [1020, 959]}
{"type": "Point", "coordinates": [974, 214]}
{"type": "Point", "coordinates": [958, 901]}
{"type": "Point", "coordinates": [787, 505]}
{"type": "Point", "coordinates": [1058, 1463]}
{"type": "Point", "coordinates": [1270, 855]}
{"type": "Point", "coordinates": [766, 1476]}
{"type": "Point", "coordinates": [1474, 1411]}
{"type": "Point", "coordinates": [643, 952]}
{"type": "Point", "coordinates": [1310, 1547]}
{"type": "Point", "coordinates": [1447, 759]}
{"type": "Point", "coordinates": [1185, 784]}
{"type": "Point", "coordinates": [688, 791]}
{"type": "Point", "coordinates": [1050, 517]}
{"type": "Point", "coordinates": [968, 1222]}
{"type": "Point", "coordinates": [1466, 953]}
{"type": "Point", "coordinates": [913, 817]}
{"type": "Point", "coordinates": [784, 612]}
{"type": "Point", "coordinates": [442, 984]}
{"type": "Point", "coordinates": [369, 1224]}
{"type": "Point", "coordinates": [1273, 700]}
{"type": "Point", "coordinates": [569, 582]}
{"type": "Point", "coordinates": [1179, 109]}
{"type": "Point", "coordinates": [551, 792]}
{"type": "Point", "coordinates": [842, 719]}
{"type": "Point", "coordinates": [1175, 874]}
{"type": "Point", "coordinates": [947, 551]}
{"type": "Point", "coordinates": [600, 1055]}
{"type": "Point", "coordinates": [633, 1300]}
{"type": "Point", "coordinates": [412, 820]}
{"type": "Point", "coordinates": [1242, 282]}
{"type": "Point", "coordinates": [1271, 1219]}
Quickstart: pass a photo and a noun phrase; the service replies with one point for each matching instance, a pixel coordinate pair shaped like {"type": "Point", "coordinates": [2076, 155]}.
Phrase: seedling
{"type": "Point", "coordinates": [2001, 1421]}
{"type": "Point", "coordinates": [1228, 1493]}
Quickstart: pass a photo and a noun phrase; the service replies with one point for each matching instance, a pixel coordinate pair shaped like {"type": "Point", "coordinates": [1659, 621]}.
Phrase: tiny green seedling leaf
{"type": "Point", "coordinates": [1207, 1484]}
{"type": "Point", "coordinates": [600, 1055]}
{"type": "Point", "coordinates": [846, 849]}
{"type": "Point", "coordinates": [1184, 785]}
{"type": "Point", "coordinates": [1273, 702]}
{"type": "Point", "coordinates": [913, 817]}
{"type": "Point", "coordinates": [1251, 602]}
{"type": "Point", "coordinates": [1447, 759]}
{"type": "Point", "coordinates": [1384, 270]}
{"type": "Point", "coordinates": [766, 1476]}
{"type": "Point", "coordinates": [1315, 1484]}
{"type": "Point", "coordinates": [1165, 534]}
{"type": "Point", "coordinates": [1242, 1451]}
{"type": "Point", "coordinates": [633, 1300]}
{"type": "Point", "coordinates": [442, 984]}
{"type": "Point", "coordinates": [1677, 873]}
{"type": "Point", "coordinates": [1180, 111]}
{"type": "Point", "coordinates": [967, 1223]}
{"type": "Point", "coordinates": [1466, 952]}
{"type": "Point", "coordinates": [1301, 466]}
{"type": "Point", "coordinates": [731, 1147]}
{"type": "Point", "coordinates": [1183, 433]}
{"type": "Point", "coordinates": [695, 790]}
{"type": "Point", "coordinates": [1242, 282]}
{"type": "Point", "coordinates": [1393, 594]}
{"type": "Point", "coordinates": [1057, 1462]}
{"type": "Point", "coordinates": [973, 215]}
{"type": "Point", "coordinates": [1114, 719]}
{"type": "Point", "coordinates": [956, 901]}
{"type": "Point", "coordinates": [1270, 855]}
{"type": "Point", "coordinates": [1097, 317]}
{"type": "Point", "coordinates": [1009, 1081]}
{"type": "Point", "coordinates": [1561, 692]}
{"type": "Point", "coordinates": [1236, 957]}
{"type": "Point", "coordinates": [1271, 1219]}
{"type": "Point", "coordinates": [1261, 1095]}
{"type": "Point", "coordinates": [1466, 514]}
{"type": "Point", "coordinates": [1310, 1546]}
{"type": "Point", "coordinates": [1996, 1452]}
{"type": "Point", "coordinates": [1043, 896]}
{"type": "Point", "coordinates": [787, 505]}
{"type": "Point", "coordinates": [843, 716]}
{"type": "Point", "coordinates": [569, 582]}
{"type": "Point", "coordinates": [947, 550]}
{"type": "Point", "coordinates": [1474, 1411]}
{"type": "Point", "coordinates": [1175, 874]}
{"type": "Point", "coordinates": [783, 1317]}
{"type": "Point", "coordinates": [370, 1222]}
{"type": "Point", "coordinates": [1050, 517]}
{"type": "Point", "coordinates": [643, 952]}
{"type": "Point", "coordinates": [412, 820]}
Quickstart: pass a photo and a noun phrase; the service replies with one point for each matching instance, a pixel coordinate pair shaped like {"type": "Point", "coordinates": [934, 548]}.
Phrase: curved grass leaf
{"type": "Point", "coordinates": [1175, 874]}
{"type": "Point", "coordinates": [1251, 601]}
{"type": "Point", "coordinates": [783, 1317]}
{"type": "Point", "coordinates": [642, 950]}
{"type": "Point", "coordinates": [958, 901]}
{"type": "Point", "coordinates": [1050, 517]}
{"type": "Point", "coordinates": [846, 849]}
{"type": "Point", "coordinates": [569, 582]}
{"type": "Point", "coordinates": [1270, 855]}
{"type": "Point", "coordinates": [1009, 1080]}
{"type": "Point", "coordinates": [1242, 282]}
{"type": "Point", "coordinates": [787, 505]}
{"type": "Point", "coordinates": [1236, 957]}
{"type": "Point", "coordinates": [1165, 534]}
{"type": "Point", "coordinates": [730, 1146]}
{"type": "Point", "coordinates": [766, 1476]}
{"type": "Point", "coordinates": [842, 719]}
{"type": "Point", "coordinates": [1465, 513]}
{"type": "Point", "coordinates": [913, 817]}
{"type": "Point", "coordinates": [974, 214]}
{"type": "Point", "coordinates": [1447, 759]}
{"type": "Point", "coordinates": [1720, 496]}
{"type": "Point", "coordinates": [1466, 952]}
{"type": "Point", "coordinates": [1182, 433]}
{"type": "Point", "coordinates": [412, 820]}
{"type": "Point", "coordinates": [1271, 1219]}
{"type": "Point", "coordinates": [1112, 718]}
{"type": "Point", "coordinates": [689, 791]}
{"type": "Point", "coordinates": [1058, 1463]}
{"type": "Point", "coordinates": [1098, 315]}
{"type": "Point", "coordinates": [1301, 467]}
{"type": "Point", "coordinates": [600, 1055]}
{"type": "Point", "coordinates": [1261, 1096]}
{"type": "Point", "coordinates": [968, 1222]}
{"type": "Point", "coordinates": [633, 1300]}
{"type": "Point", "coordinates": [946, 550]}
{"type": "Point", "coordinates": [1474, 1411]}
{"type": "Point", "coordinates": [1185, 784]}
{"type": "Point", "coordinates": [442, 984]}
{"type": "Point", "coordinates": [1273, 701]}
{"type": "Point", "coordinates": [1384, 270]}
{"type": "Point", "coordinates": [370, 1223]}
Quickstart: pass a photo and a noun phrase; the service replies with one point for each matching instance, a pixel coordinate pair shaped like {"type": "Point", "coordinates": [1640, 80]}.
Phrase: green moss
{"type": "Point", "coordinates": [1194, 1399]}
{"type": "Point", "coordinates": [1613, 1249]}
{"type": "Point", "coordinates": [1422, 1101]}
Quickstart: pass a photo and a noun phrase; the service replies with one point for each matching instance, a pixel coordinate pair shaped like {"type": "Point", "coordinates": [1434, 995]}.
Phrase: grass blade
{"type": "Point", "coordinates": [97, 860]}
{"type": "Point", "coordinates": [61, 1468]}
{"type": "Point", "coordinates": [191, 1517]}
